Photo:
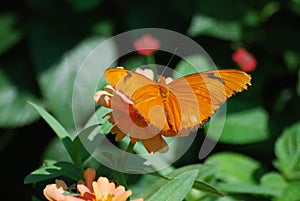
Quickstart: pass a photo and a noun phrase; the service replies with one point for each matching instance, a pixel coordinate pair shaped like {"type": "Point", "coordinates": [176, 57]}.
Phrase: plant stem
{"type": "Point", "coordinates": [130, 147]}
{"type": "Point", "coordinates": [152, 64]}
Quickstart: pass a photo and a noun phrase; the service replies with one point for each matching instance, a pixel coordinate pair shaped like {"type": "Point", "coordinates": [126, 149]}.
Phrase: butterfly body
{"type": "Point", "coordinates": [176, 107]}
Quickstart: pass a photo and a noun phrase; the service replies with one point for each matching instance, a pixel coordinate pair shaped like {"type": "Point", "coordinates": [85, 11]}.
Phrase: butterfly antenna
{"type": "Point", "coordinates": [175, 50]}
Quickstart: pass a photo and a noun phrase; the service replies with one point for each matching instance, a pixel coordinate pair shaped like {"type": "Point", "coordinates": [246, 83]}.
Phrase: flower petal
{"type": "Point", "coordinates": [53, 193]}
{"type": "Point", "coordinates": [138, 199]}
{"type": "Point", "coordinates": [146, 45]}
{"type": "Point", "coordinates": [123, 196]}
{"type": "Point", "coordinates": [61, 184]}
{"type": "Point", "coordinates": [146, 72]}
{"type": "Point", "coordinates": [89, 176]}
{"type": "Point", "coordinates": [111, 187]}
{"type": "Point", "coordinates": [169, 79]}
{"type": "Point", "coordinates": [244, 59]}
{"type": "Point", "coordinates": [101, 187]}
{"type": "Point", "coordinates": [156, 143]}
{"type": "Point", "coordinates": [103, 98]}
{"type": "Point", "coordinates": [119, 190]}
{"type": "Point", "coordinates": [84, 191]}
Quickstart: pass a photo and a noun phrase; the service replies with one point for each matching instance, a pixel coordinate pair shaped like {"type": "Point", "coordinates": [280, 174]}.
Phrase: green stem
{"type": "Point", "coordinates": [130, 147]}
{"type": "Point", "coordinates": [152, 64]}
{"type": "Point", "coordinates": [119, 176]}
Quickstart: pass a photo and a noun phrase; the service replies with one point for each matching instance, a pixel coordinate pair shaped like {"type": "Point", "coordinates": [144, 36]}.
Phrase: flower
{"type": "Point", "coordinates": [127, 120]}
{"type": "Point", "coordinates": [244, 59]}
{"type": "Point", "coordinates": [90, 190]}
{"type": "Point", "coordinates": [146, 45]}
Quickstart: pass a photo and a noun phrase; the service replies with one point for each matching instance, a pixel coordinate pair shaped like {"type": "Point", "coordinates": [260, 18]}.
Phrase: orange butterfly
{"type": "Point", "coordinates": [182, 105]}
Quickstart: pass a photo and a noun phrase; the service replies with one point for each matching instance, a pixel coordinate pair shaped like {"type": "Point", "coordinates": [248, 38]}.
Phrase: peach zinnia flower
{"type": "Point", "coordinates": [146, 45]}
{"type": "Point", "coordinates": [127, 120]}
{"type": "Point", "coordinates": [245, 60]}
{"type": "Point", "coordinates": [100, 190]}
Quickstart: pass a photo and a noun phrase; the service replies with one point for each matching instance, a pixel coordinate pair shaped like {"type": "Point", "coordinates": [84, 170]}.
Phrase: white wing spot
{"type": "Point", "coordinates": [193, 119]}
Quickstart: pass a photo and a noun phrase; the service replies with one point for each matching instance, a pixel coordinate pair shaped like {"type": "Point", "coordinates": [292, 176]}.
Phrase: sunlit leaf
{"type": "Point", "coordinates": [291, 192]}
{"type": "Point", "coordinates": [205, 25]}
{"type": "Point", "coordinates": [99, 118]}
{"type": "Point", "coordinates": [204, 173]}
{"type": "Point", "coordinates": [177, 188]}
{"type": "Point", "coordinates": [246, 126]}
{"type": "Point", "coordinates": [192, 64]}
{"type": "Point", "coordinates": [246, 189]}
{"type": "Point", "coordinates": [66, 92]}
{"type": "Point", "coordinates": [287, 150]}
{"type": "Point", "coordinates": [234, 167]}
{"type": "Point", "coordinates": [274, 181]}
{"type": "Point", "coordinates": [14, 109]}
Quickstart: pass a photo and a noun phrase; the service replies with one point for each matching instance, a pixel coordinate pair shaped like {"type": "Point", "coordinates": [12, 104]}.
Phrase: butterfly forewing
{"type": "Point", "coordinates": [201, 94]}
{"type": "Point", "coordinates": [126, 81]}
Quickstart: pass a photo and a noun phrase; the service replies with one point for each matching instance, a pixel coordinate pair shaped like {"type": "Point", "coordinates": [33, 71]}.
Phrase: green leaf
{"type": "Point", "coordinates": [192, 64]}
{"type": "Point", "coordinates": [294, 5]}
{"type": "Point", "coordinates": [234, 167]}
{"type": "Point", "coordinates": [70, 85]}
{"type": "Point", "coordinates": [78, 151]}
{"type": "Point", "coordinates": [205, 25]}
{"type": "Point", "coordinates": [14, 109]}
{"type": "Point", "coordinates": [9, 36]}
{"type": "Point", "coordinates": [287, 151]}
{"type": "Point", "coordinates": [99, 118]}
{"type": "Point", "coordinates": [274, 181]}
{"type": "Point", "coordinates": [177, 188]}
{"type": "Point", "coordinates": [292, 60]}
{"type": "Point", "coordinates": [52, 171]}
{"type": "Point", "coordinates": [246, 189]}
{"type": "Point", "coordinates": [205, 172]}
{"type": "Point", "coordinates": [205, 187]}
{"type": "Point", "coordinates": [61, 133]}
{"type": "Point", "coordinates": [55, 150]}
{"type": "Point", "coordinates": [291, 192]}
{"type": "Point", "coordinates": [246, 126]}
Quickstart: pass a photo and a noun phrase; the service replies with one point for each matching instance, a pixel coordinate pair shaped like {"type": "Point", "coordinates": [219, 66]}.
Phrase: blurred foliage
{"type": "Point", "coordinates": [43, 44]}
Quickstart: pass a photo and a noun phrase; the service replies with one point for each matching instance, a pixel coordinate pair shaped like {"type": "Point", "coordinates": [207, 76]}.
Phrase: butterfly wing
{"type": "Point", "coordinates": [142, 91]}
{"type": "Point", "coordinates": [199, 95]}
{"type": "Point", "coordinates": [125, 80]}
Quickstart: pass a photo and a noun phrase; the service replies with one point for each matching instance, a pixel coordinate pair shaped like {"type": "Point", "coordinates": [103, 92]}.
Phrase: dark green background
{"type": "Point", "coordinates": [35, 35]}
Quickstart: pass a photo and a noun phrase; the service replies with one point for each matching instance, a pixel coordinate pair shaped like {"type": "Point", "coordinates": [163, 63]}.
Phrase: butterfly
{"type": "Point", "coordinates": [181, 105]}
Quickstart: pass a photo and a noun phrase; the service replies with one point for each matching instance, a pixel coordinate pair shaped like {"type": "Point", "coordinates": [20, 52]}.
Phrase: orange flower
{"type": "Point", "coordinates": [100, 190]}
{"type": "Point", "coordinates": [146, 45]}
{"type": "Point", "coordinates": [127, 120]}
